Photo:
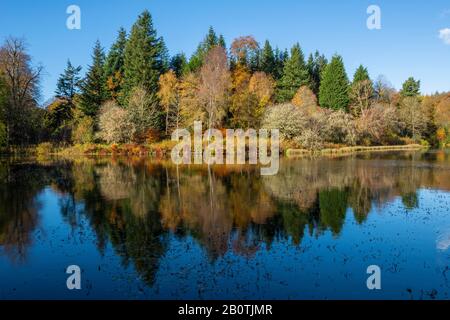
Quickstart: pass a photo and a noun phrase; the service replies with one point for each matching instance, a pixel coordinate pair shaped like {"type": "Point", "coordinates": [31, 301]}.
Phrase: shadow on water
{"type": "Point", "coordinates": [140, 208]}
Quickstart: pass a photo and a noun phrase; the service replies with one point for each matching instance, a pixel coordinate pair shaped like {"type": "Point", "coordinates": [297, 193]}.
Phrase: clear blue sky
{"type": "Point", "coordinates": [407, 45]}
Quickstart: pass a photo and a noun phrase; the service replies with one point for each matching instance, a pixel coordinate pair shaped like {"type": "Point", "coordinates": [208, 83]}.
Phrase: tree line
{"type": "Point", "coordinates": [137, 93]}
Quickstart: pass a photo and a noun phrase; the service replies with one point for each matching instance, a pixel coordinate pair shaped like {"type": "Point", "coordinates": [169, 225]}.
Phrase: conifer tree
{"type": "Point", "coordinates": [334, 87]}
{"type": "Point", "coordinates": [410, 88]}
{"type": "Point", "coordinates": [361, 74]}
{"type": "Point", "coordinates": [145, 57]}
{"type": "Point", "coordinates": [114, 66]}
{"type": "Point", "coordinates": [94, 85]}
{"type": "Point", "coordinates": [316, 65]}
{"type": "Point", "coordinates": [267, 61]}
{"type": "Point", "coordinates": [69, 83]}
{"type": "Point", "coordinates": [294, 76]}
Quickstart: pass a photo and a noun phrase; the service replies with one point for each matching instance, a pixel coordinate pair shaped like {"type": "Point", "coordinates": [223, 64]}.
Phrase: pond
{"type": "Point", "coordinates": [145, 229]}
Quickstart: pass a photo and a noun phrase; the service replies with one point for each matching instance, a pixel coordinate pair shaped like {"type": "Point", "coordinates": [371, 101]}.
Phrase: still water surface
{"type": "Point", "coordinates": [142, 229]}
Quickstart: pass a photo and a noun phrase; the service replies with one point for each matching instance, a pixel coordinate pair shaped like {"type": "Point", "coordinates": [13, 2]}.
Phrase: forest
{"type": "Point", "coordinates": [132, 96]}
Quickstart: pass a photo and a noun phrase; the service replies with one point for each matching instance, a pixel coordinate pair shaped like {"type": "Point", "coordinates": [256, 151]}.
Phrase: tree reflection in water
{"type": "Point", "coordinates": [136, 205]}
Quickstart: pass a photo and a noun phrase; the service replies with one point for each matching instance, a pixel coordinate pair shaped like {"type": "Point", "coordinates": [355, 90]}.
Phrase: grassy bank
{"type": "Point", "coordinates": [355, 149]}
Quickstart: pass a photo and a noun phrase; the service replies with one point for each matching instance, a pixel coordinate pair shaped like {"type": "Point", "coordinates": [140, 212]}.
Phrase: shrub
{"type": "Point", "coordinates": [114, 124]}
{"type": "Point", "coordinates": [290, 120]}
{"type": "Point", "coordinates": [309, 139]}
{"type": "Point", "coordinates": [84, 131]}
{"type": "Point", "coordinates": [339, 127]}
{"type": "Point", "coordinates": [44, 149]}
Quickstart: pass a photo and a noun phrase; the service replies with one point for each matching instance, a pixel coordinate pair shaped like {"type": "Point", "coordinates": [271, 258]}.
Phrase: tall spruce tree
{"type": "Point", "coordinates": [145, 57]}
{"type": "Point", "coordinates": [334, 87]}
{"type": "Point", "coordinates": [316, 65]}
{"type": "Point", "coordinates": [94, 85]}
{"type": "Point", "coordinates": [295, 75]}
{"type": "Point", "coordinates": [69, 83]}
{"type": "Point", "coordinates": [268, 61]}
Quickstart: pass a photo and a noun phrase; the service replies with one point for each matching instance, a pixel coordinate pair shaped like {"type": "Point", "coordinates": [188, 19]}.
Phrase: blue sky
{"type": "Point", "coordinates": [408, 43]}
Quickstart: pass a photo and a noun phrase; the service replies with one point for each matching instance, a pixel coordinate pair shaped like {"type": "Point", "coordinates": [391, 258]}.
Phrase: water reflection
{"type": "Point", "coordinates": [137, 206]}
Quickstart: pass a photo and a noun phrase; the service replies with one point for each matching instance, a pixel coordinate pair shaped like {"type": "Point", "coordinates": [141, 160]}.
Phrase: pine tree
{"type": "Point", "coordinates": [316, 65]}
{"type": "Point", "coordinates": [294, 76]}
{"type": "Point", "coordinates": [334, 87]}
{"type": "Point", "coordinates": [145, 57]}
{"type": "Point", "coordinates": [268, 62]}
{"type": "Point", "coordinates": [69, 83]}
{"type": "Point", "coordinates": [410, 88]}
{"type": "Point", "coordinates": [361, 74]}
{"type": "Point", "coordinates": [94, 85]}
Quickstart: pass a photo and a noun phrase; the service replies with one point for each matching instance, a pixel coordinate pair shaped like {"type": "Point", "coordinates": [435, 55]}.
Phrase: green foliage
{"type": "Point", "coordinates": [57, 120]}
{"type": "Point", "coordinates": [83, 131]}
{"type": "Point", "coordinates": [94, 85]}
{"type": "Point", "coordinates": [361, 74]}
{"type": "Point", "coordinates": [115, 60]}
{"type": "Point", "coordinates": [334, 87]}
{"type": "Point", "coordinates": [316, 65]}
{"type": "Point", "coordinates": [3, 136]}
{"type": "Point", "coordinates": [333, 207]}
{"type": "Point", "coordinates": [295, 74]}
{"type": "Point", "coordinates": [210, 41]}
{"type": "Point", "coordinates": [268, 60]}
{"type": "Point", "coordinates": [145, 57]}
{"type": "Point", "coordinates": [69, 82]}
{"type": "Point", "coordinates": [410, 88]}
{"type": "Point", "coordinates": [179, 65]}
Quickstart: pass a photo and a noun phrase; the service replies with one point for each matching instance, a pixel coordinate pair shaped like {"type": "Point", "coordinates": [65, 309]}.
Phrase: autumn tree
{"type": "Point", "coordinates": [144, 115]}
{"type": "Point", "coordinates": [190, 103]}
{"type": "Point", "coordinates": [334, 87]}
{"type": "Point", "coordinates": [214, 83]}
{"type": "Point", "coordinates": [262, 86]}
{"type": "Point", "coordinates": [411, 113]}
{"type": "Point", "coordinates": [295, 74]}
{"type": "Point", "coordinates": [93, 91]}
{"type": "Point", "coordinates": [305, 99]}
{"type": "Point", "coordinates": [20, 91]}
{"type": "Point", "coordinates": [169, 98]}
{"type": "Point", "coordinates": [244, 50]}
{"type": "Point", "coordinates": [244, 104]}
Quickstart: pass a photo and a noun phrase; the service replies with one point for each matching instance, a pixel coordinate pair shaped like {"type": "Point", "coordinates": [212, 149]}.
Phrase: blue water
{"type": "Point", "coordinates": [145, 230]}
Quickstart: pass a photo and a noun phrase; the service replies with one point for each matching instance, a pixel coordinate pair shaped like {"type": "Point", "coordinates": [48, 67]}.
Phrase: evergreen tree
{"type": "Point", "coordinates": [94, 85]}
{"type": "Point", "coordinates": [316, 65]}
{"type": "Point", "coordinates": [334, 87]}
{"type": "Point", "coordinates": [179, 64]}
{"type": "Point", "coordinates": [115, 60]}
{"type": "Point", "coordinates": [361, 74]}
{"type": "Point", "coordinates": [268, 61]}
{"type": "Point", "coordinates": [69, 83]}
{"type": "Point", "coordinates": [145, 57]}
{"type": "Point", "coordinates": [410, 88]}
{"type": "Point", "coordinates": [294, 76]}
{"type": "Point", "coordinates": [210, 41]}
{"type": "Point", "coordinates": [114, 66]}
